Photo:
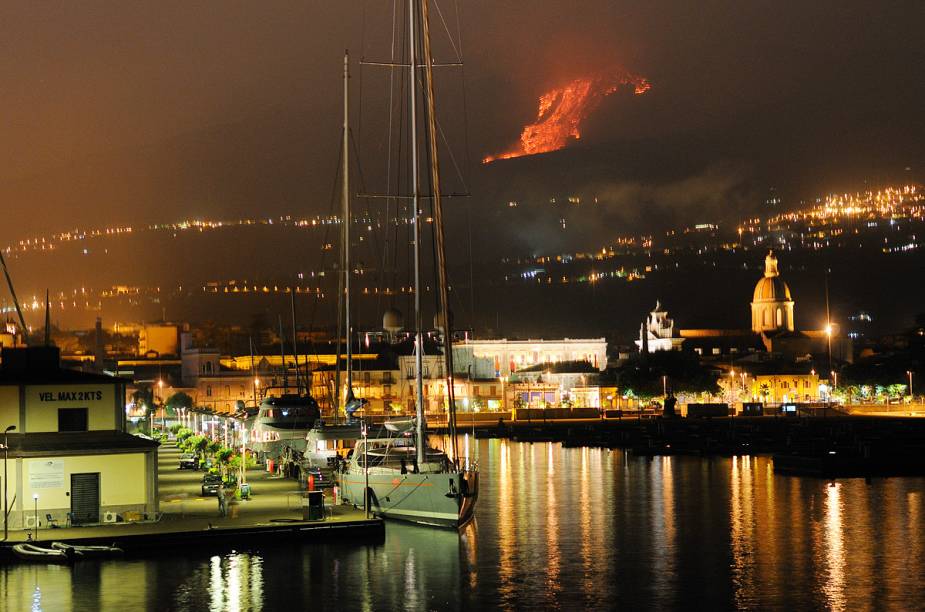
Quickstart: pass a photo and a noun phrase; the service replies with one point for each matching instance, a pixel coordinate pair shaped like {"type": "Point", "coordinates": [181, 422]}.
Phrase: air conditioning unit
{"type": "Point", "coordinates": [29, 522]}
{"type": "Point", "coordinates": [110, 517]}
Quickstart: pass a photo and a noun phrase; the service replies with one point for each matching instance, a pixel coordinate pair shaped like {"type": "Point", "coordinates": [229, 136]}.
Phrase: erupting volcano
{"type": "Point", "coordinates": [562, 110]}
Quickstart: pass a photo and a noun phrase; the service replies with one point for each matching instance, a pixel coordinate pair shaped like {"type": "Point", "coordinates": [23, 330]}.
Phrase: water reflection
{"type": "Point", "coordinates": [743, 524]}
{"type": "Point", "coordinates": [834, 549]}
{"type": "Point", "coordinates": [560, 528]}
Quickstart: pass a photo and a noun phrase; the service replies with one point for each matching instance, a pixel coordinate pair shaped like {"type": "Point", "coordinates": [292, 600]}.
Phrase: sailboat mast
{"type": "Point", "coordinates": [282, 354]}
{"type": "Point", "coordinates": [416, 224]}
{"type": "Point", "coordinates": [295, 346]}
{"type": "Point", "coordinates": [346, 228]}
{"type": "Point", "coordinates": [438, 226]}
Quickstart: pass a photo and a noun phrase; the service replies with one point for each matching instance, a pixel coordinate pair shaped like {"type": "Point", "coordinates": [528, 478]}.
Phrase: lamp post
{"type": "Point", "coordinates": [160, 386]}
{"type": "Point", "coordinates": [6, 454]}
{"type": "Point", "coordinates": [503, 397]}
{"type": "Point", "coordinates": [911, 395]}
{"type": "Point", "coordinates": [243, 454]}
{"type": "Point", "coordinates": [365, 468]}
{"type": "Point", "coordinates": [35, 515]}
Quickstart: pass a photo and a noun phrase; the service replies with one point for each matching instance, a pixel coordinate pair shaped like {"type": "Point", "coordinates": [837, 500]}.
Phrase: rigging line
{"type": "Point", "coordinates": [468, 167]}
{"type": "Point", "coordinates": [388, 163]}
{"type": "Point", "coordinates": [449, 36]}
{"type": "Point", "coordinates": [318, 292]}
{"type": "Point", "coordinates": [9, 282]}
{"type": "Point", "coordinates": [449, 151]}
{"type": "Point", "coordinates": [369, 217]}
{"type": "Point", "coordinates": [360, 79]}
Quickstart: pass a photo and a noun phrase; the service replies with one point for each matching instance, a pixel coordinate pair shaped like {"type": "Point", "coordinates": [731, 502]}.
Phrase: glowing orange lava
{"type": "Point", "coordinates": [562, 110]}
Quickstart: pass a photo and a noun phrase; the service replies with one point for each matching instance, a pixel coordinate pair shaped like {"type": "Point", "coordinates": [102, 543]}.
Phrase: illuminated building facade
{"type": "Point", "coordinates": [657, 333]}
{"type": "Point", "coordinates": [70, 459]}
{"type": "Point", "coordinates": [486, 359]}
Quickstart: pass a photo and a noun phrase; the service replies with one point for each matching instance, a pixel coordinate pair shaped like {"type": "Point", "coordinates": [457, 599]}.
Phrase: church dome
{"type": "Point", "coordinates": [771, 290]}
{"type": "Point", "coordinates": [772, 287]}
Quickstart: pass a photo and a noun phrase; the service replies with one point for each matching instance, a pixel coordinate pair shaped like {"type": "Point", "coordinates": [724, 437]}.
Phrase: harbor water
{"type": "Point", "coordinates": [559, 528]}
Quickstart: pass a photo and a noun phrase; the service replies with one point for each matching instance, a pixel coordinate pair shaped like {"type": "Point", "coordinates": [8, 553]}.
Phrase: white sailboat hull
{"type": "Point", "coordinates": [441, 499]}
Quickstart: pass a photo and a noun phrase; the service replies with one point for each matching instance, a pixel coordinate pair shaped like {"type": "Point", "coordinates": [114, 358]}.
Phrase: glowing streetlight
{"type": "Point", "coordinates": [160, 386]}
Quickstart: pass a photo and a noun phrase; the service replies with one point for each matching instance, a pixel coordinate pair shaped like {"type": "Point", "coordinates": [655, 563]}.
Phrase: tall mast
{"type": "Point", "coordinates": [346, 229]}
{"type": "Point", "coordinates": [416, 224]}
{"type": "Point", "coordinates": [295, 347]}
{"type": "Point", "coordinates": [282, 354]}
{"type": "Point", "coordinates": [439, 242]}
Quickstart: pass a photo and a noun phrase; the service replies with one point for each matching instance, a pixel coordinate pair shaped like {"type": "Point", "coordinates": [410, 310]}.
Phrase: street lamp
{"type": "Point", "coordinates": [160, 386]}
{"type": "Point", "coordinates": [365, 467]}
{"type": "Point", "coordinates": [243, 454]}
{"type": "Point", "coordinates": [35, 516]}
{"type": "Point", "coordinates": [6, 453]}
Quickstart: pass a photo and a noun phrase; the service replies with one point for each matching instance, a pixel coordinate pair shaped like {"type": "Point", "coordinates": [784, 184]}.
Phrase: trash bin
{"type": "Point", "coordinates": [313, 506]}
{"type": "Point", "coordinates": [245, 490]}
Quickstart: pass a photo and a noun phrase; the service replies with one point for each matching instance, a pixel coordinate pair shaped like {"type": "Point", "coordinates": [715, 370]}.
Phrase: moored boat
{"type": "Point", "coordinates": [89, 551]}
{"type": "Point", "coordinates": [39, 554]}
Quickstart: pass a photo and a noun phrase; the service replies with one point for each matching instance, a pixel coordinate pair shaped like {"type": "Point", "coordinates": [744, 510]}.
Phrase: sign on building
{"type": "Point", "coordinates": [46, 474]}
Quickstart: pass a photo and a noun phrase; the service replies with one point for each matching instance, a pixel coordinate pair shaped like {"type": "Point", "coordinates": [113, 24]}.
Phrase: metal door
{"type": "Point", "coordinates": [85, 498]}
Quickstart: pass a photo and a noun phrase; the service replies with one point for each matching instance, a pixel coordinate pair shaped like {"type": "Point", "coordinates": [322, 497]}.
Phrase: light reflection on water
{"type": "Point", "coordinates": [560, 528]}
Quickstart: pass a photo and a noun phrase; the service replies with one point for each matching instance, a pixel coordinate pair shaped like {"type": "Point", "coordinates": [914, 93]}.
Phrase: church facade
{"type": "Point", "coordinates": [772, 306]}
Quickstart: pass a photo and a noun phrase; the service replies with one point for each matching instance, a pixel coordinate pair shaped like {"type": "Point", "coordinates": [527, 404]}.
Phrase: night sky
{"type": "Point", "coordinates": [154, 111]}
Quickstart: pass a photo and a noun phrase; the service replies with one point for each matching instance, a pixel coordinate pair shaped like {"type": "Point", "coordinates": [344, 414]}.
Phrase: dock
{"type": "Point", "coordinates": [273, 515]}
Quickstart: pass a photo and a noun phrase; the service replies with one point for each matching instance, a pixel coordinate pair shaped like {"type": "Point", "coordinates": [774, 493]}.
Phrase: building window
{"type": "Point", "coordinates": [387, 390]}
{"type": "Point", "coordinates": [780, 318]}
{"type": "Point", "coordinates": [476, 390]}
{"type": "Point", "coordinates": [698, 350]}
{"type": "Point", "coordinates": [716, 351]}
{"type": "Point", "coordinates": [72, 419]}
{"type": "Point", "coordinates": [208, 390]}
{"type": "Point", "coordinates": [492, 390]}
{"type": "Point", "coordinates": [366, 377]}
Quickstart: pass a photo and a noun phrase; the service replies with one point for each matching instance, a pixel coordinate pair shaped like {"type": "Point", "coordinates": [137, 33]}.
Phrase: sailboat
{"type": "Point", "coordinates": [395, 474]}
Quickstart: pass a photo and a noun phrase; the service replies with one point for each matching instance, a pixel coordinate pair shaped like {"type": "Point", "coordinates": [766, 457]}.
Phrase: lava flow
{"type": "Point", "coordinates": [562, 110]}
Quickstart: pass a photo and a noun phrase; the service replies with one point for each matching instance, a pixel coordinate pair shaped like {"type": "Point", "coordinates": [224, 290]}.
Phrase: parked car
{"type": "Point", "coordinates": [188, 461]}
{"type": "Point", "coordinates": [211, 483]}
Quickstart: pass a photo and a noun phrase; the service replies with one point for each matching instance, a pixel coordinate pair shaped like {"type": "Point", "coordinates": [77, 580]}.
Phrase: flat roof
{"type": "Point", "coordinates": [76, 443]}
{"type": "Point", "coordinates": [60, 376]}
